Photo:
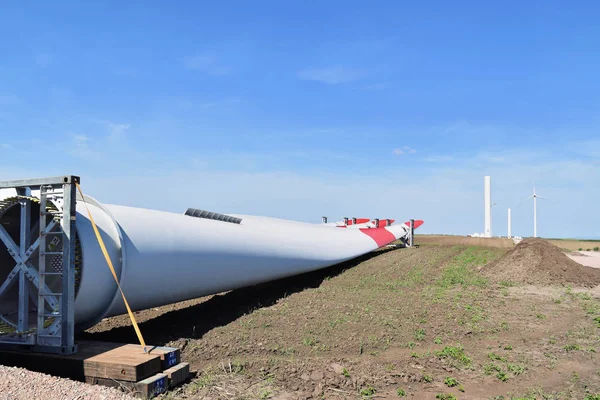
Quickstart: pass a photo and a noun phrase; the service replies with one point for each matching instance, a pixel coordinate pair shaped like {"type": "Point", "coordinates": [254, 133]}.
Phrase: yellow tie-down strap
{"type": "Point", "coordinates": [112, 269]}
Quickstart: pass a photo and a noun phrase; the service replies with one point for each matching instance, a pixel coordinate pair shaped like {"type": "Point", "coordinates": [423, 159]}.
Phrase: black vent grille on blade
{"type": "Point", "coordinates": [192, 212]}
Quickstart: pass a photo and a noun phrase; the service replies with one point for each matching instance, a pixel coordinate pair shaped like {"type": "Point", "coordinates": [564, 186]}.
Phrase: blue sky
{"type": "Point", "coordinates": [302, 109]}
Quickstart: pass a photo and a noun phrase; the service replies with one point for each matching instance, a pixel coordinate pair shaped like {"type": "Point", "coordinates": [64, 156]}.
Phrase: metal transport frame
{"type": "Point", "coordinates": [54, 332]}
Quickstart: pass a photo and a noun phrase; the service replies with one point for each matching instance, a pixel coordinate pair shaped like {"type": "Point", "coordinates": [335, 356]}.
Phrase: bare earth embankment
{"type": "Point", "coordinates": [439, 320]}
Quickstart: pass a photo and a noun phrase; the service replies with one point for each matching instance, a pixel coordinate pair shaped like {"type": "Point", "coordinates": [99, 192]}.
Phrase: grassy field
{"type": "Point", "coordinates": [574, 244]}
{"type": "Point", "coordinates": [421, 323]}
{"type": "Point", "coordinates": [450, 240]}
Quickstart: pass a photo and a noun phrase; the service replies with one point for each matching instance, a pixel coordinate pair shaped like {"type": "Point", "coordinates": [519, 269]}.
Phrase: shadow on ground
{"type": "Point", "coordinates": [222, 309]}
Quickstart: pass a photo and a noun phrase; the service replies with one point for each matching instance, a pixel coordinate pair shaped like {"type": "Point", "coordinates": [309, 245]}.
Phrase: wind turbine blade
{"type": "Point", "coordinates": [521, 203]}
{"type": "Point", "coordinates": [540, 197]}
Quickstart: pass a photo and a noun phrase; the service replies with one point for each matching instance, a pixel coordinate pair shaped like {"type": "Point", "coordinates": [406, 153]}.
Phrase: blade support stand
{"type": "Point", "coordinates": [52, 309]}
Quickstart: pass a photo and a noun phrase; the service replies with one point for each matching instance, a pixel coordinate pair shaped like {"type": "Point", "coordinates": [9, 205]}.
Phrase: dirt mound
{"type": "Point", "coordinates": [537, 261]}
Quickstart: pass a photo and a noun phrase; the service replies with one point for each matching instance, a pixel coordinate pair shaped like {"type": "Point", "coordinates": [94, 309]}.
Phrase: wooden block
{"type": "Point", "coordinates": [148, 388]}
{"type": "Point", "coordinates": [169, 356]}
{"type": "Point", "coordinates": [153, 386]}
{"type": "Point", "coordinates": [178, 374]}
{"type": "Point", "coordinates": [122, 363]}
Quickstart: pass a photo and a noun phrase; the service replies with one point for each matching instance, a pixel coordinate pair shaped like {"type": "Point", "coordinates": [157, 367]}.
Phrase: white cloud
{"type": "Point", "coordinates": [207, 63]}
{"type": "Point", "coordinates": [117, 131]}
{"type": "Point", "coordinates": [79, 146]}
{"type": "Point", "coordinates": [81, 138]}
{"type": "Point", "coordinates": [332, 75]}
{"type": "Point", "coordinates": [448, 196]}
{"type": "Point", "coordinates": [404, 150]}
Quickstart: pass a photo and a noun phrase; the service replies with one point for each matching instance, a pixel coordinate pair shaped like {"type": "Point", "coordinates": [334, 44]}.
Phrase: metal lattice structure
{"type": "Point", "coordinates": [42, 278]}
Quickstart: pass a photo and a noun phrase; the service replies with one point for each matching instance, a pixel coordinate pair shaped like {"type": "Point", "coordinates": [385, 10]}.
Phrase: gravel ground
{"type": "Point", "coordinates": [17, 383]}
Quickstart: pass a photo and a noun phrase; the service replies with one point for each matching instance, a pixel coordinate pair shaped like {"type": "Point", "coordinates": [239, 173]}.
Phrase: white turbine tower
{"type": "Point", "coordinates": [509, 225]}
{"type": "Point", "coordinates": [487, 188]}
{"type": "Point", "coordinates": [534, 196]}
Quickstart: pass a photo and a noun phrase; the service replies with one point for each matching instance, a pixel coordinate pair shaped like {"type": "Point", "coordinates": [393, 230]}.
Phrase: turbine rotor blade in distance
{"type": "Point", "coordinates": [521, 203]}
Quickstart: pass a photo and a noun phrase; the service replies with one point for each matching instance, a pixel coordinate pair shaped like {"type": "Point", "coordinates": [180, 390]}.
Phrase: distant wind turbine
{"type": "Point", "coordinates": [534, 196]}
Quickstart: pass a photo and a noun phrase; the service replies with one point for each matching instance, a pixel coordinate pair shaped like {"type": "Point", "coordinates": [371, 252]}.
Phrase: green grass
{"type": "Point", "coordinates": [490, 368]}
{"type": "Point", "coordinates": [461, 269]}
{"type": "Point", "coordinates": [516, 369]}
{"type": "Point", "coordinates": [427, 378]}
{"type": "Point", "coordinates": [368, 391]}
{"type": "Point", "coordinates": [572, 347]}
{"type": "Point", "coordinates": [456, 353]}
{"type": "Point", "coordinates": [401, 392]}
{"type": "Point", "coordinates": [583, 296]}
{"type": "Point", "coordinates": [445, 396]}
{"type": "Point", "coordinates": [310, 341]}
{"type": "Point", "coordinates": [460, 275]}
{"type": "Point", "coordinates": [420, 335]}
{"type": "Point", "coordinates": [496, 357]}
{"type": "Point", "coordinates": [205, 380]}
{"type": "Point", "coordinates": [450, 382]}
{"type": "Point", "coordinates": [502, 376]}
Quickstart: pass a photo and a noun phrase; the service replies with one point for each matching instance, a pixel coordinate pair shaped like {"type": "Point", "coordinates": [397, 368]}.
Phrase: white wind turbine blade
{"type": "Point", "coordinates": [521, 203]}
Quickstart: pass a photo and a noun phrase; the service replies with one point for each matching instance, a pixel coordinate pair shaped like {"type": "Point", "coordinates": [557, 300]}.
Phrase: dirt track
{"type": "Point", "coordinates": [395, 320]}
{"type": "Point", "coordinates": [588, 258]}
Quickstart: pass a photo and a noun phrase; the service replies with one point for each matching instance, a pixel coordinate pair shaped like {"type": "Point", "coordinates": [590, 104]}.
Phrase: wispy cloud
{"type": "Point", "coordinates": [449, 197]}
{"type": "Point", "coordinates": [207, 63]}
{"type": "Point", "coordinates": [117, 131]}
{"type": "Point", "coordinates": [111, 130]}
{"type": "Point", "coordinates": [332, 75]}
{"type": "Point", "coordinates": [80, 146]}
{"type": "Point", "coordinates": [5, 146]}
{"type": "Point", "coordinates": [404, 150]}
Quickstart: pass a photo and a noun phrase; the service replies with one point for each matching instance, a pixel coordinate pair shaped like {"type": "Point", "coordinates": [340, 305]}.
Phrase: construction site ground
{"type": "Point", "coordinates": [429, 322]}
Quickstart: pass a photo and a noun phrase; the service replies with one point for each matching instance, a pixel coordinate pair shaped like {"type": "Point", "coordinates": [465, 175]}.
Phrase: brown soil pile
{"type": "Point", "coordinates": [537, 261]}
